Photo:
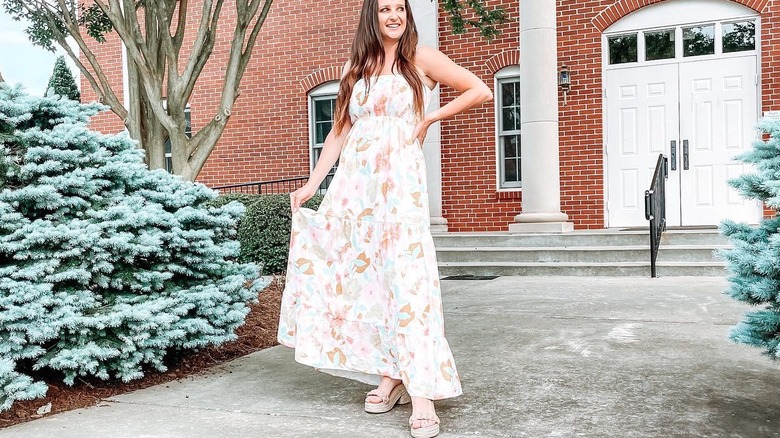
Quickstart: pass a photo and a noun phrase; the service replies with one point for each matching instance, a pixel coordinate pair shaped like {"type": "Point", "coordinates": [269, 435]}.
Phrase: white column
{"type": "Point", "coordinates": [426, 16]}
{"type": "Point", "coordinates": [539, 121]}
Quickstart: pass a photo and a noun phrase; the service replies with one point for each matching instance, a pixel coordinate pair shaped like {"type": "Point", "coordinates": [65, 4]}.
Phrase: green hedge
{"type": "Point", "coordinates": [264, 231]}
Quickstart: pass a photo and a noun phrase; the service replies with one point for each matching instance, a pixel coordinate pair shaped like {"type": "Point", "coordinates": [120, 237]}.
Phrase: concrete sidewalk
{"type": "Point", "coordinates": [538, 356]}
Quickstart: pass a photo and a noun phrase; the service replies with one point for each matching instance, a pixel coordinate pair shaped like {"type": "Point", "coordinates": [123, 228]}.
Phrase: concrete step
{"type": "Point", "coordinates": [589, 269]}
{"type": "Point", "coordinates": [595, 254]}
{"type": "Point", "coordinates": [683, 252]}
{"type": "Point", "coordinates": [578, 238]}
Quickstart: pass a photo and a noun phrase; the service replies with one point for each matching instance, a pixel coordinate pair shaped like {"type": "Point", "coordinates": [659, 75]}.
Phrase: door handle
{"type": "Point", "coordinates": [685, 155]}
{"type": "Point", "coordinates": [673, 155]}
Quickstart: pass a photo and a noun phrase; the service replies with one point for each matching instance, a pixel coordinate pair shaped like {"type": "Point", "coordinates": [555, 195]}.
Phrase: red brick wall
{"type": "Point", "coordinates": [268, 134]}
{"type": "Point", "coordinates": [106, 122]}
{"type": "Point", "coordinates": [581, 119]}
{"type": "Point", "coordinates": [770, 56]}
{"type": "Point", "coordinates": [470, 201]}
{"type": "Point", "coordinates": [770, 60]}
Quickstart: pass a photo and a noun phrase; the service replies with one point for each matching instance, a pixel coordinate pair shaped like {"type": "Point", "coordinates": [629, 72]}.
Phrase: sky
{"type": "Point", "coordinates": [22, 62]}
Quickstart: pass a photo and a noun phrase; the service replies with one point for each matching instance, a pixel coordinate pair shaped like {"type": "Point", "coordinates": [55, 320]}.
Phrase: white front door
{"type": "Point", "coordinates": [707, 110]}
{"type": "Point", "coordinates": [642, 121]}
{"type": "Point", "coordinates": [718, 112]}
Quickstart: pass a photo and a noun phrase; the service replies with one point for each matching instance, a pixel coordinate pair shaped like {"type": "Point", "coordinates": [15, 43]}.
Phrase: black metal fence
{"type": "Point", "coordinates": [272, 187]}
{"type": "Point", "coordinates": [655, 209]}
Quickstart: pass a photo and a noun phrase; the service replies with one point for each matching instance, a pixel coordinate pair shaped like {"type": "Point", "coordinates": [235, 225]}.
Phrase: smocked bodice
{"type": "Point", "coordinates": [389, 96]}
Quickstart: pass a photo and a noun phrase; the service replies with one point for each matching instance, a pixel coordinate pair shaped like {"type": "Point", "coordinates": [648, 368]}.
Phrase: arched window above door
{"type": "Point", "coordinates": [681, 30]}
{"type": "Point", "coordinates": [680, 12]}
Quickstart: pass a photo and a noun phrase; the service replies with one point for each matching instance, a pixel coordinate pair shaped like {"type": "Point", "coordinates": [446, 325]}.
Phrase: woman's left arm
{"type": "Point", "coordinates": [441, 69]}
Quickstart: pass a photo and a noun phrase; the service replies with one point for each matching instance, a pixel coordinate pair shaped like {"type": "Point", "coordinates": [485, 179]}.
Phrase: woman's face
{"type": "Point", "coordinates": [392, 19]}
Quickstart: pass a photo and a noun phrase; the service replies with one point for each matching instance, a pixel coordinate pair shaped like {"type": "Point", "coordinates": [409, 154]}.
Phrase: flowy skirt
{"type": "Point", "coordinates": [362, 297]}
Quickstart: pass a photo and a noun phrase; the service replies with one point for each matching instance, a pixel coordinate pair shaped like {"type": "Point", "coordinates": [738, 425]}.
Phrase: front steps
{"type": "Point", "coordinates": [581, 253]}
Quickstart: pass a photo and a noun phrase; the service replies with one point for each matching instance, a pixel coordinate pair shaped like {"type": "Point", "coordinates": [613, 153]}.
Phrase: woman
{"type": "Point", "coordinates": [362, 298]}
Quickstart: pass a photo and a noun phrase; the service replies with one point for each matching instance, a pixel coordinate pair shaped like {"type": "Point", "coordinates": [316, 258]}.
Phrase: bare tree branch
{"type": "Point", "coordinates": [240, 53]}
{"type": "Point", "coordinates": [178, 38]}
{"type": "Point", "coordinates": [103, 89]}
{"type": "Point", "coordinates": [253, 36]}
{"type": "Point", "coordinates": [129, 30]}
{"type": "Point", "coordinates": [202, 46]}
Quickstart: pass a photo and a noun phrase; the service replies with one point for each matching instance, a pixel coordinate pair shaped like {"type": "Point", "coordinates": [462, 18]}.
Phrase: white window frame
{"type": "Point", "coordinates": [507, 74]}
{"type": "Point", "coordinates": [326, 91]}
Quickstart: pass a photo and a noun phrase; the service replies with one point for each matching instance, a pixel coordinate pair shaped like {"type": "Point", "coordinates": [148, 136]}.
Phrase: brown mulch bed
{"type": "Point", "coordinates": [257, 333]}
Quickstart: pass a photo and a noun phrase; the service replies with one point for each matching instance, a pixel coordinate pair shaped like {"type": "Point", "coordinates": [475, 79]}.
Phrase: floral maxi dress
{"type": "Point", "coordinates": [362, 297]}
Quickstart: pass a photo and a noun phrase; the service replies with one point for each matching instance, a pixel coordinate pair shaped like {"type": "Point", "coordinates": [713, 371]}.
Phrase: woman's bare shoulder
{"type": "Point", "coordinates": [429, 60]}
{"type": "Point", "coordinates": [425, 53]}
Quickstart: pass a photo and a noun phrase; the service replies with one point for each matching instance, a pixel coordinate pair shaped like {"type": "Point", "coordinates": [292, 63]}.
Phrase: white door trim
{"type": "Point", "coordinates": [666, 15]}
{"type": "Point", "coordinates": [683, 12]}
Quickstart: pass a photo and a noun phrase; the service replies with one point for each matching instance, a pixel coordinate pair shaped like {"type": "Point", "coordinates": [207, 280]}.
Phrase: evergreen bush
{"type": "Point", "coordinates": [264, 231]}
{"type": "Point", "coordinates": [62, 82]}
{"type": "Point", "coordinates": [754, 262]}
{"type": "Point", "coordinates": [105, 266]}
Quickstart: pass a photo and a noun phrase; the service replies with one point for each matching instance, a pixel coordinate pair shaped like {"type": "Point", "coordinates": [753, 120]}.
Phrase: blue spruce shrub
{"type": "Point", "coordinates": [105, 266]}
{"type": "Point", "coordinates": [754, 262]}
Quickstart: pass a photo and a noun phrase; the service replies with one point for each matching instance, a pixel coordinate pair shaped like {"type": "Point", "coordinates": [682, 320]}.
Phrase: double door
{"type": "Point", "coordinates": [699, 114]}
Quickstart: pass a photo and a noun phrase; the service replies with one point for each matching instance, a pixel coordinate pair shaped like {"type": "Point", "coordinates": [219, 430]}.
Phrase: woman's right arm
{"type": "Point", "coordinates": [331, 150]}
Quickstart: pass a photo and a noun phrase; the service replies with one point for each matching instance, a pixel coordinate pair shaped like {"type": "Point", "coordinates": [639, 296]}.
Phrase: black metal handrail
{"type": "Point", "coordinates": [655, 209]}
{"type": "Point", "coordinates": [272, 187]}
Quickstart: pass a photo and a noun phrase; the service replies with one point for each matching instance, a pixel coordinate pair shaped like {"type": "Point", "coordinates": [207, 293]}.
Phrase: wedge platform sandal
{"type": "Point", "coordinates": [427, 431]}
{"type": "Point", "coordinates": [398, 395]}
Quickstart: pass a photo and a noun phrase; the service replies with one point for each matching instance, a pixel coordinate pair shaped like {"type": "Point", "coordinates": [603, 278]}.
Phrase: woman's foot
{"type": "Point", "coordinates": [389, 393]}
{"type": "Point", "coordinates": [385, 387]}
{"type": "Point", "coordinates": [424, 422]}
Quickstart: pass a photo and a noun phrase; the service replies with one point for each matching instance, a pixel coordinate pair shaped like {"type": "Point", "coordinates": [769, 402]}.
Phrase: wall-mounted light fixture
{"type": "Point", "coordinates": [564, 81]}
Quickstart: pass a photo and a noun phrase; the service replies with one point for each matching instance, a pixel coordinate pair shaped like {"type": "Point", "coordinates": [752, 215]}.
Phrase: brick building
{"type": "Point", "coordinates": [686, 78]}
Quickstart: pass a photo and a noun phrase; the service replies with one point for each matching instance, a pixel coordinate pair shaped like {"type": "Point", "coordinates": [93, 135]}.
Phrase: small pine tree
{"type": "Point", "coordinates": [62, 81]}
{"type": "Point", "coordinates": [105, 266]}
{"type": "Point", "coordinates": [754, 262]}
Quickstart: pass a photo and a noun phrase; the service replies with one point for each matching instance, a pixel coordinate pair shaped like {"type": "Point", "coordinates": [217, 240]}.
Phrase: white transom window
{"type": "Point", "coordinates": [704, 29]}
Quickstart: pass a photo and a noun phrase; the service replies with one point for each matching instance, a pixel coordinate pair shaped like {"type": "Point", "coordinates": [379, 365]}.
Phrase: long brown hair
{"type": "Point", "coordinates": [368, 58]}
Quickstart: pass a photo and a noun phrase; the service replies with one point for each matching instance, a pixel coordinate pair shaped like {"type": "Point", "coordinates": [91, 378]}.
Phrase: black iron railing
{"type": "Point", "coordinates": [265, 187]}
{"type": "Point", "coordinates": [655, 209]}
{"type": "Point", "coordinates": [272, 187]}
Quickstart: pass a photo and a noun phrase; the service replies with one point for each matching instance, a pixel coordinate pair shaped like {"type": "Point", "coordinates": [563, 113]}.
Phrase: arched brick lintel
{"type": "Point", "coordinates": [320, 77]}
{"type": "Point", "coordinates": [503, 59]}
{"type": "Point", "coordinates": [621, 8]}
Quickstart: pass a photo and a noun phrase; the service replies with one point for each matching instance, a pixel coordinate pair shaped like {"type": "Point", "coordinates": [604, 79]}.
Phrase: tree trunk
{"type": "Point", "coordinates": [154, 142]}
{"type": "Point", "coordinates": [153, 133]}
{"type": "Point", "coordinates": [1, 78]}
{"type": "Point", "coordinates": [181, 164]}
{"type": "Point", "coordinates": [133, 121]}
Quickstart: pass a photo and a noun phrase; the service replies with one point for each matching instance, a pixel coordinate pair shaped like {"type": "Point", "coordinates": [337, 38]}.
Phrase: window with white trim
{"type": "Point", "coordinates": [508, 154]}
{"type": "Point", "coordinates": [322, 114]}
{"type": "Point", "coordinates": [711, 38]}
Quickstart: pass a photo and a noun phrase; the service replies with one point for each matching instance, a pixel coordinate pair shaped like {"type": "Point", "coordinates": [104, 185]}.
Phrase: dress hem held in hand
{"type": "Point", "coordinates": [362, 297]}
